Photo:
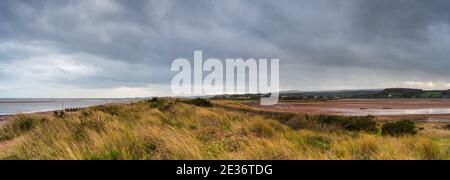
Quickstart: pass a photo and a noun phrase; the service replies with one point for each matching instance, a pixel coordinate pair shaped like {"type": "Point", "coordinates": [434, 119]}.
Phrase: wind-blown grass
{"type": "Point", "coordinates": [172, 129]}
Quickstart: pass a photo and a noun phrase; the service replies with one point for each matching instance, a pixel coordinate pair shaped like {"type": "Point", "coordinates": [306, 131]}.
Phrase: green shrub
{"type": "Point", "coordinates": [363, 123]}
{"type": "Point", "coordinates": [58, 114]}
{"type": "Point", "coordinates": [154, 102]}
{"type": "Point", "coordinates": [293, 120]}
{"type": "Point", "coordinates": [331, 120]}
{"type": "Point", "coordinates": [298, 123]}
{"type": "Point", "coordinates": [23, 124]}
{"type": "Point", "coordinates": [199, 102]}
{"type": "Point", "coordinates": [160, 104]}
{"type": "Point", "coordinates": [282, 117]}
{"type": "Point", "coordinates": [399, 128]}
{"type": "Point", "coordinates": [19, 125]}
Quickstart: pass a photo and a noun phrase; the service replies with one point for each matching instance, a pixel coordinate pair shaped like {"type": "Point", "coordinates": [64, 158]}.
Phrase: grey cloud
{"type": "Point", "coordinates": [134, 42]}
{"type": "Point", "coordinates": [400, 18]}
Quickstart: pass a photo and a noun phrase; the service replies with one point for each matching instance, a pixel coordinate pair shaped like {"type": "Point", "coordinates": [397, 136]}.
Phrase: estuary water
{"type": "Point", "coordinates": [16, 106]}
{"type": "Point", "coordinates": [388, 112]}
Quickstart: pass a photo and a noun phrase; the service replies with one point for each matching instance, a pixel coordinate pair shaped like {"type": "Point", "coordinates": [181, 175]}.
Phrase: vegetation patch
{"type": "Point", "coordinates": [367, 150]}
{"type": "Point", "coordinates": [447, 126]}
{"type": "Point", "coordinates": [17, 126]}
{"type": "Point", "coordinates": [199, 102]}
{"type": "Point", "coordinates": [262, 129]}
{"type": "Point", "coordinates": [137, 132]}
{"type": "Point", "coordinates": [319, 142]}
{"type": "Point", "coordinates": [294, 121]}
{"type": "Point", "coordinates": [176, 123]}
{"type": "Point", "coordinates": [364, 123]}
{"type": "Point", "coordinates": [399, 128]}
{"type": "Point", "coordinates": [110, 109]}
{"type": "Point", "coordinates": [59, 114]}
{"type": "Point", "coordinates": [210, 134]}
{"type": "Point", "coordinates": [431, 94]}
{"type": "Point", "coordinates": [161, 104]}
{"type": "Point", "coordinates": [430, 151]}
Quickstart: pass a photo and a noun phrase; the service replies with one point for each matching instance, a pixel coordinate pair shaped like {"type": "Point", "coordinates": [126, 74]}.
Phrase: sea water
{"type": "Point", "coordinates": [390, 112]}
{"type": "Point", "coordinates": [16, 106]}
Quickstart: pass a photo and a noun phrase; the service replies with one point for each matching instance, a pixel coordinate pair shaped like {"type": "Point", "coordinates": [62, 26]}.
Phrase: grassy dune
{"type": "Point", "coordinates": [170, 129]}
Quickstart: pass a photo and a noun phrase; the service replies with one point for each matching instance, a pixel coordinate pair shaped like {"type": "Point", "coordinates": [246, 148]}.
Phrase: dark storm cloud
{"type": "Point", "coordinates": [400, 18]}
{"type": "Point", "coordinates": [108, 44]}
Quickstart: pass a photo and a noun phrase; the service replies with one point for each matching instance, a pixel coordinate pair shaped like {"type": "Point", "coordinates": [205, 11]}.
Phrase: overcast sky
{"type": "Point", "coordinates": [105, 48]}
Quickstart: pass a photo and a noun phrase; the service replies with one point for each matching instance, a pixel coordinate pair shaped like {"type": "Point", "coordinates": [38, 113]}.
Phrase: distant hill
{"type": "Point", "coordinates": [383, 93]}
{"type": "Point", "coordinates": [357, 94]}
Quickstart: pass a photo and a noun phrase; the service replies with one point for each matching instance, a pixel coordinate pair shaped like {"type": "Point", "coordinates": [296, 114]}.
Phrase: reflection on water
{"type": "Point", "coordinates": [381, 112]}
{"type": "Point", "coordinates": [15, 106]}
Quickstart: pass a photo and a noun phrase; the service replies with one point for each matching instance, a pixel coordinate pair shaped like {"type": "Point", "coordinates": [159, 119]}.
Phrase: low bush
{"type": "Point", "coordinates": [304, 122]}
{"type": "Point", "coordinates": [154, 102]}
{"type": "Point", "coordinates": [399, 128]}
{"type": "Point", "coordinates": [23, 124]}
{"type": "Point", "coordinates": [199, 102]}
{"type": "Point", "coordinates": [364, 123]}
{"type": "Point", "coordinates": [19, 125]}
{"type": "Point", "coordinates": [58, 114]}
{"type": "Point", "coordinates": [161, 104]}
{"type": "Point", "coordinates": [447, 127]}
{"type": "Point", "coordinates": [282, 117]}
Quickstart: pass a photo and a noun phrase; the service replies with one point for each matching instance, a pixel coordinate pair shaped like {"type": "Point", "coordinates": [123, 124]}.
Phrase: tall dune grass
{"type": "Point", "coordinates": [170, 129]}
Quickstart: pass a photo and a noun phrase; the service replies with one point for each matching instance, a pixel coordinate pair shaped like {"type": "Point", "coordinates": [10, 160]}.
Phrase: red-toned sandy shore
{"type": "Point", "coordinates": [355, 105]}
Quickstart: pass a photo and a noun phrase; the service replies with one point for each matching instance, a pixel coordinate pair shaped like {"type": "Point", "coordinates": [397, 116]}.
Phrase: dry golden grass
{"type": "Point", "coordinates": [169, 129]}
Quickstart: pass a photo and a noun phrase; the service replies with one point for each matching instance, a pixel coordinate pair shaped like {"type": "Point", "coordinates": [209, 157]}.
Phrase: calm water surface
{"type": "Point", "coordinates": [381, 112]}
{"type": "Point", "coordinates": [15, 106]}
